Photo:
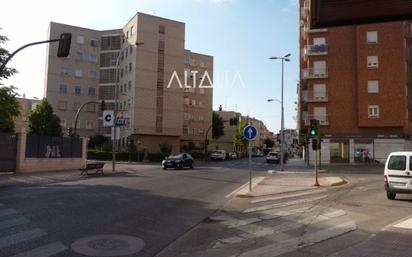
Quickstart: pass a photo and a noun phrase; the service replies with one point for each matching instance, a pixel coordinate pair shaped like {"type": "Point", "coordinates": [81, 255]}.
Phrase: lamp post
{"type": "Point", "coordinates": [116, 107]}
{"type": "Point", "coordinates": [282, 136]}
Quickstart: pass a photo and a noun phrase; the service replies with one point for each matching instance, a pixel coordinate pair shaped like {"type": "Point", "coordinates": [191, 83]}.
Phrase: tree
{"type": "Point", "coordinates": [218, 128]}
{"type": "Point", "coordinates": [238, 139]}
{"type": "Point", "coordinates": [269, 143]}
{"type": "Point", "coordinates": [97, 141]}
{"type": "Point", "coordinates": [7, 72]}
{"type": "Point", "coordinates": [42, 120]}
{"type": "Point", "coordinates": [9, 108]}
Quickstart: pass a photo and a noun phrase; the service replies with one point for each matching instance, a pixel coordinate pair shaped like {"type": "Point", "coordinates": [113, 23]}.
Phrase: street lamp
{"type": "Point", "coordinates": [282, 136]}
{"type": "Point", "coordinates": [116, 107]}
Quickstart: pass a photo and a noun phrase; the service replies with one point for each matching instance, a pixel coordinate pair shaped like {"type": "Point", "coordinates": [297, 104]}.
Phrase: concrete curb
{"type": "Point", "coordinates": [244, 189]}
{"type": "Point", "coordinates": [333, 181]}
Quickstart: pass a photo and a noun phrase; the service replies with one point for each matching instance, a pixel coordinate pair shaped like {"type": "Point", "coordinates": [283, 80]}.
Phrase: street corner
{"type": "Point", "coordinates": [332, 181]}
{"type": "Point", "coordinates": [243, 191]}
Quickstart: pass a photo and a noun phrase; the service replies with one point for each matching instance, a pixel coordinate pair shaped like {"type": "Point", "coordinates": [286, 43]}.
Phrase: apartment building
{"type": "Point", "coordinates": [139, 71]}
{"type": "Point", "coordinates": [26, 105]}
{"type": "Point", "coordinates": [354, 80]}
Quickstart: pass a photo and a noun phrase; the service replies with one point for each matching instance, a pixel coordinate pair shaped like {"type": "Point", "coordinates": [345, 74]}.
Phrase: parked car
{"type": "Point", "coordinates": [218, 155]}
{"type": "Point", "coordinates": [273, 157]}
{"type": "Point", "coordinates": [178, 161]}
{"type": "Point", "coordinates": [232, 155]}
{"type": "Point", "coordinates": [398, 174]}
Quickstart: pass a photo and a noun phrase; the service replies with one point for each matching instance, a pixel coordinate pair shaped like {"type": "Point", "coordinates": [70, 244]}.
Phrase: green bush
{"type": "Point", "coordinates": [107, 156]}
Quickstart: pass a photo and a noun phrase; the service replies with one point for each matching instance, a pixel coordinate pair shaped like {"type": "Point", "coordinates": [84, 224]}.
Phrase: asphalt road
{"type": "Point", "coordinates": [153, 205]}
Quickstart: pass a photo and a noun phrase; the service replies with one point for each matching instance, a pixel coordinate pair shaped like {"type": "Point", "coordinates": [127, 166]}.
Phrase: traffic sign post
{"type": "Point", "coordinates": [250, 133]}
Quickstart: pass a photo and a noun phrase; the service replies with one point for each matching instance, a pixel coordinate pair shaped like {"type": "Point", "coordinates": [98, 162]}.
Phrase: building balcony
{"type": "Point", "coordinates": [323, 119]}
{"type": "Point", "coordinates": [312, 73]}
{"type": "Point", "coordinates": [314, 96]}
{"type": "Point", "coordinates": [313, 50]}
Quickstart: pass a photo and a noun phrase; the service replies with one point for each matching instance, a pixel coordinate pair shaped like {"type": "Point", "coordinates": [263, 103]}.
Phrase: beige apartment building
{"type": "Point", "coordinates": [356, 80]}
{"type": "Point", "coordinates": [26, 105]}
{"type": "Point", "coordinates": [149, 59]}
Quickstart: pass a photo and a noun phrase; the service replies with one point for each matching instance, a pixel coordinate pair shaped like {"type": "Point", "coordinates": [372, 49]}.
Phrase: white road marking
{"type": "Point", "coordinates": [259, 231]}
{"type": "Point", "coordinates": [284, 204]}
{"type": "Point", "coordinates": [44, 251]}
{"type": "Point", "coordinates": [13, 222]}
{"type": "Point", "coordinates": [279, 197]}
{"type": "Point", "coordinates": [406, 224]}
{"type": "Point", "coordinates": [6, 212]}
{"type": "Point", "coordinates": [295, 243]}
{"type": "Point", "coordinates": [21, 237]}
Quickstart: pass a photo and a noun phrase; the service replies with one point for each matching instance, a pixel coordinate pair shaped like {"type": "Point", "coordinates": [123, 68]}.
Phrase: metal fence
{"type": "Point", "coordinates": [8, 146]}
{"type": "Point", "coordinates": [53, 147]}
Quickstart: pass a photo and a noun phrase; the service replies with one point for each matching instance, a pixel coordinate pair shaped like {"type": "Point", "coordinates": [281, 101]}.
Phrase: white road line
{"type": "Point", "coordinates": [284, 204]}
{"type": "Point", "coordinates": [6, 212]}
{"type": "Point", "coordinates": [13, 222]}
{"type": "Point", "coordinates": [406, 224]}
{"type": "Point", "coordinates": [21, 237]}
{"type": "Point", "coordinates": [254, 231]}
{"type": "Point", "coordinates": [279, 197]}
{"type": "Point", "coordinates": [293, 244]}
{"type": "Point", "coordinates": [44, 251]}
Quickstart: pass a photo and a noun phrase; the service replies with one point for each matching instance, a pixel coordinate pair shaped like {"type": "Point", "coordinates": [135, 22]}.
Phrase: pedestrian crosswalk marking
{"type": "Point", "coordinates": [295, 243]}
{"type": "Point", "coordinates": [259, 231]}
{"type": "Point", "coordinates": [44, 251]}
{"type": "Point", "coordinates": [284, 204]}
{"type": "Point", "coordinates": [21, 237]}
{"type": "Point", "coordinates": [279, 197]}
{"type": "Point", "coordinates": [13, 222]}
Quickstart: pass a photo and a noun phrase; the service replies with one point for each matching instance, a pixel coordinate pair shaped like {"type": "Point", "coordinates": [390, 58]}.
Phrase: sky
{"type": "Point", "coordinates": [241, 35]}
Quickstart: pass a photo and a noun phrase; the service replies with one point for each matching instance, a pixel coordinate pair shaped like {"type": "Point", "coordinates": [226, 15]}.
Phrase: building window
{"type": "Point", "coordinates": [63, 88]}
{"type": "Point", "coordinates": [201, 132]}
{"type": "Point", "coordinates": [186, 100]}
{"type": "Point", "coordinates": [93, 74]}
{"type": "Point", "coordinates": [373, 111]}
{"type": "Point", "coordinates": [187, 59]}
{"type": "Point", "coordinates": [62, 105]}
{"type": "Point", "coordinates": [202, 91]}
{"type": "Point", "coordinates": [77, 90]}
{"type": "Point", "coordinates": [185, 130]}
{"type": "Point", "coordinates": [63, 123]}
{"type": "Point", "coordinates": [130, 85]}
{"type": "Point", "coordinates": [373, 62]}
{"type": "Point", "coordinates": [94, 42]}
{"type": "Point", "coordinates": [130, 49]}
{"type": "Point", "coordinates": [372, 37]}
{"type": "Point", "coordinates": [130, 67]}
{"type": "Point", "coordinates": [162, 29]}
{"type": "Point", "coordinates": [64, 71]}
{"type": "Point", "coordinates": [201, 118]}
{"type": "Point", "coordinates": [201, 104]}
{"type": "Point", "coordinates": [373, 86]}
{"type": "Point", "coordinates": [89, 124]}
{"type": "Point", "coordinates": [131, 31]}
{"type": "Point", "coordinates": [80, 39]}
{"type": "Point", "coordinates": [78, 73]}
{"type": "Point", "coordinates": [79, 56]}
{"type": "Point", "coordinates": [91, 107]}
{"type": "Point", "coordinates": [92, 91]}
{"type": "Point", "coordinates": [93, 58]}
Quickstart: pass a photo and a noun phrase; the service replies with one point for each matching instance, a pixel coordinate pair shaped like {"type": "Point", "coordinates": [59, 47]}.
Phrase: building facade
{"type": "Point", "coordinates": [26, 105]}
{"type": "Point", "coordinates": [354, 80]}
{"type": "Point", "coordinates": [139, 72]}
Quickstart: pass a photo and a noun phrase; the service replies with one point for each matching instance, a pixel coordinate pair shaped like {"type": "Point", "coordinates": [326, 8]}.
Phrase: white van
{"type": "Point", "coordinates": [398, 174]}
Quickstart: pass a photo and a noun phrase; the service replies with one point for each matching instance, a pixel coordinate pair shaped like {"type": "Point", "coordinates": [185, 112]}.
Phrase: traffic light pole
{"type": "Point", "coordinates": [3, 66]}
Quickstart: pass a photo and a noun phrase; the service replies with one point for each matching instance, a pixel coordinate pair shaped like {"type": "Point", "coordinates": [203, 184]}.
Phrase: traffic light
{"type": "Point", "coordinates": [102, 106]}
{"type": "Point", "coordinates": [314, 128]}
{"type": "Point", "coordinates": [69, 131]}
{"type": "Point", "coordinates": [315, 144]}
{"type": "Point", "coordinates": [64, 45]}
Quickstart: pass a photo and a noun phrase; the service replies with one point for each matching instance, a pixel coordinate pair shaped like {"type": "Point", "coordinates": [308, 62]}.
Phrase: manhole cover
{"type": "Point", "coordinates": [108, 245]}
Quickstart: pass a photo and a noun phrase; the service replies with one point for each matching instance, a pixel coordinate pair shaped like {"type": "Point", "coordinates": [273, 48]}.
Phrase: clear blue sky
{"type": "Point", "coordinates": [240, 34]}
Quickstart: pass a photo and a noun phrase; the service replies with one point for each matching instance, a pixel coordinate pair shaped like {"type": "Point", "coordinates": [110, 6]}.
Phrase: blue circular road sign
{"type": "Point", "coordinates": [250, 132]}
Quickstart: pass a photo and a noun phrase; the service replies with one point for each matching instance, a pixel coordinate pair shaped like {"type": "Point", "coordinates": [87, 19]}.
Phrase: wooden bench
{"type": "Point", "coordinates": [97, 166]}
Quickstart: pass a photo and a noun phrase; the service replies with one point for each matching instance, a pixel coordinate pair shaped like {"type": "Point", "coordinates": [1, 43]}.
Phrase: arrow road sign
{"type": "Point", "coordinates": [250, 132]}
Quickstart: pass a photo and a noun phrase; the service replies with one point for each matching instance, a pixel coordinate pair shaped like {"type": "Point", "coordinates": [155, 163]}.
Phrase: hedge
{"type": "Point", "coordinates": [107, 156]}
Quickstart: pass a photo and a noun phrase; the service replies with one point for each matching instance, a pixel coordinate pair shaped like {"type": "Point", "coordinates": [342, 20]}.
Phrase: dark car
{"type": "Point", "coordinates": [178, 161]}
